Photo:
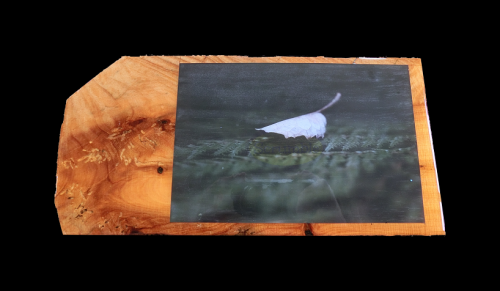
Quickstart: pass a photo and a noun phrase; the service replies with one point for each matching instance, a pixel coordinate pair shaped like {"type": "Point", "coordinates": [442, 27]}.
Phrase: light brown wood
{"type": "Point", "coordinates": [119, 129]}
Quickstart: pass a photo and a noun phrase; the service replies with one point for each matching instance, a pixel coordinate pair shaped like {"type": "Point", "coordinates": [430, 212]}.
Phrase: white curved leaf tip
{"type": "Point", "coordinates": [309, 125]}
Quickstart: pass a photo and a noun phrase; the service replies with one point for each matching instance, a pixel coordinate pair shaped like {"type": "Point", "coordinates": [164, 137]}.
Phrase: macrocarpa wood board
{"type": "Point", "coordinates": [116, 155]}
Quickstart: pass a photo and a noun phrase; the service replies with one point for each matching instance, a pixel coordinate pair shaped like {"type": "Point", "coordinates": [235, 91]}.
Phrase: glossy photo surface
{"type": "Point", "coordinates": [305, 143]}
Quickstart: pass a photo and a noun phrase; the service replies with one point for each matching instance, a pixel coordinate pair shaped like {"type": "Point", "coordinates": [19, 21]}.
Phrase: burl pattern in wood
{"type": "Point", "coordinates": [115, 156]}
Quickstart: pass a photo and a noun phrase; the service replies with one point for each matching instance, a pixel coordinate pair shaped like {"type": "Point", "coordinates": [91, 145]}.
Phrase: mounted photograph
{"type": "Point", "coordinates": [295, 143]}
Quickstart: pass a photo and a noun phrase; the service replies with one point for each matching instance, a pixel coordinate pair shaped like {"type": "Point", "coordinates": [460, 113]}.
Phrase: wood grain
{"type": "Point", "coordinates": [115, 156]}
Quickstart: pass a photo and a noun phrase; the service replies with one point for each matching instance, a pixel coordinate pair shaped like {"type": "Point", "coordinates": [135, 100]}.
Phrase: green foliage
{"type": "Point", "coordinates": [396, 141]}
{"type": "Point", "coordinates": [227, 147]}
{"type": "Point", "coordinates": [240, 147]}
{"type": "Point", "coordinates": [198, 150]}
{"type": "Point", "coordinates": [382, 141]}
{"type": "Point", "coordinates": [363, 164]}
{"type": "Point", "coordinates": [332, 143]}
{"type": "Point", "coordinates": [351, 142]}
{"type": "Point", "coordinates": [345, 139]}
{"type": "Point", "coordinates": [369, 141]}
{"type": "Point", "coordinates": [317, 146]}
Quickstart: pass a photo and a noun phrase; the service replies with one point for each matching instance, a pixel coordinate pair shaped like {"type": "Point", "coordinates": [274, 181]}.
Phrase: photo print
{"type": "Point", "coordinates": [295, 143]}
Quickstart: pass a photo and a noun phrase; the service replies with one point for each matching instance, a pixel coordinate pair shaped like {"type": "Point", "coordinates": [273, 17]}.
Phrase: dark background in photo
{"type": "Point", "coordinates": [365, 169]}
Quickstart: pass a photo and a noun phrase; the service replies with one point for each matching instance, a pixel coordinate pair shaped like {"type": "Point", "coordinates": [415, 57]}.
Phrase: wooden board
{"type": "Point", "coordinates": [115, 156]}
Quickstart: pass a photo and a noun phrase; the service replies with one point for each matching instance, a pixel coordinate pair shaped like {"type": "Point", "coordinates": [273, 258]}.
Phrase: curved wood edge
{"type": "Point", "coordinates": [115, 82]}
{"type": "Point", "coordinates": [117, 131]}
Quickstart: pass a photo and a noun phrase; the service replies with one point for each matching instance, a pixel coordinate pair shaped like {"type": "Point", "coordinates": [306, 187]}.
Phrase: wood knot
{"type": "Point", "coordinates": [166, 125]}
{"type": "Point", "coordinates": [136, 122]}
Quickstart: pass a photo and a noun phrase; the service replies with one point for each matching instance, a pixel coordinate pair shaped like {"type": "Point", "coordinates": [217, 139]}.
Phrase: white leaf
{"type": "Point", "coordinates": [309, 125]}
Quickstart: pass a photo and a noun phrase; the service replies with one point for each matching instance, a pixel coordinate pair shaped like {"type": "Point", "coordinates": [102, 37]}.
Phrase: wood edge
{"type": "Point", "coordinates": [225, 229]}
{"type": "Point", "coordinates": [68, 100]}
{"type": "Point", "coordinates": [75, 229]}
{"type": "Point", "coordinates": [389, 61]}
{"type": "Point", "coordinates": [65, 116]}
{"type": "Point", "coordinates": [286, 59]}
{"type": "Point", "coordinates": [111, 66]}
{"type": "Point", "coordinates": [372, 229]}
{"type": "Point", "coordinates": [430, 192]}
{"type": "Point", "coordinates": [281, 59]}
{"type": "Point", "coordinates": [295, 229]}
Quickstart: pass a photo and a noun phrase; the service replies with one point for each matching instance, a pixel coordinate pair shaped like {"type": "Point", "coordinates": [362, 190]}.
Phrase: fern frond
{"type": "Point", "coordinates": [381, 141]}
{"type": "Point", "coordinates": [241, 146]}
{"type": "Point", "coordinates": [330, 145]}
{"type": "Point", "coordinates": [396, 141]}
{"type": "Point", "coordinates": [198, 150]}
{"type": "Point", "coordinates": [369, 141]}
{"type": "Point", "coordinates": [351, 142]}
{"type": "Point", "coordinates": [227, 147]}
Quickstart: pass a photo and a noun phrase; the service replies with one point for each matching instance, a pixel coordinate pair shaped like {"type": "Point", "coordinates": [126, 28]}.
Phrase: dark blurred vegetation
{"type": "Point", "coordinates": [371, 171]}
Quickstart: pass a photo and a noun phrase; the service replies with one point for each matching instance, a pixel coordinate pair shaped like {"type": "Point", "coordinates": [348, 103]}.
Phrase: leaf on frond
{"type": "Point", "coordinates": [309, 125]}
